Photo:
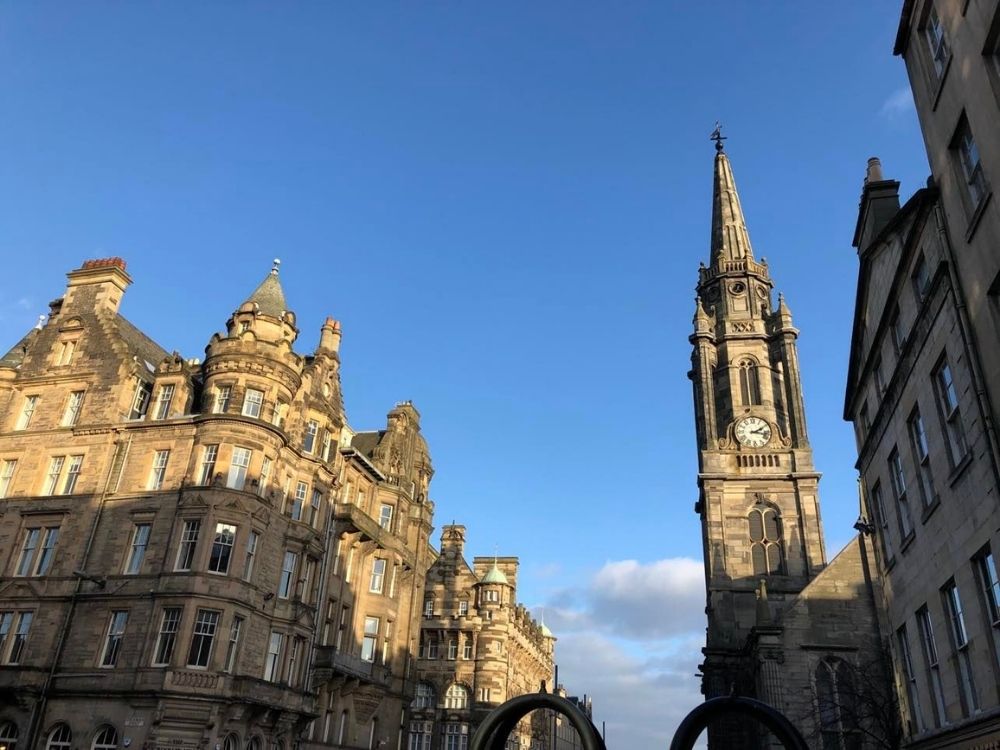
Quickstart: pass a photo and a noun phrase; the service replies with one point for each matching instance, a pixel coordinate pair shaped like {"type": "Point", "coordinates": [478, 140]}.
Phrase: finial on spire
{"type": "Point", "coordinates": [274, 266]}
{"type": "Point", "coordinates": [717, 136]}
{"type": "Point", "coordinates": [41, 322]}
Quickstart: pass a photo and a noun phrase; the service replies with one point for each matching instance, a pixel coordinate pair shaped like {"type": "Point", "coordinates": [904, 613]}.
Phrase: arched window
{"type": "Point", "coordinates": [456, 697]}
{"type": "Point", "coordinates": [106, 738]}
{"type": "Point", "coordinates": [424, 697]}
{"type": "Point", "coordinates": [60, 738]}
{"type": "Point", "coordinates": [254, 743]}
{"type": "Point", "coordinates": [8, 735]}
{"type": "Point", "coordinates": [749, 383]}
{"type": "Point", "coordinates": [765, 540]}
{"type": "Point", "coordinates": [232, 742]}
{"type": "Point", "coordinates": [836, 704]}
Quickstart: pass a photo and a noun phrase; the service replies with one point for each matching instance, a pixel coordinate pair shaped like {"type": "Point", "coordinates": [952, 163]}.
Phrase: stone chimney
{"type": "Point", "coordinates": [879, 203]}
{"type": "Point", "coordinates": [96, 285]}
{"type": "Point", "coordinates": [452, 540]}
{"type": "Point", "coordinates": [329, 335]}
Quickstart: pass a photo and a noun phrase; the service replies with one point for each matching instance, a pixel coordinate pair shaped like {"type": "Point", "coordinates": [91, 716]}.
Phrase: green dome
{"type": "Point", "coordinates": [495, 575]}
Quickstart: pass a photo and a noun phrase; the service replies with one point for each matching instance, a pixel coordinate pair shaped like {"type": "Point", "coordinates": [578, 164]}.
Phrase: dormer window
{"type": "Point", "coordinates": [252, 403]}
{"type": "Point", "coordinates": [140, 401]}
{"type": "Point", "coordinates": [163, 402]}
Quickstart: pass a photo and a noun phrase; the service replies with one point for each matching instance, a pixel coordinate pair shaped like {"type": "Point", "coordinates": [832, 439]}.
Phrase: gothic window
{"type": "Point", "coordinates": [835, 702]}
{"type": "Point", "coordinates": [749, 383]}
{"type": "Point", "coordinates": [765, 540]}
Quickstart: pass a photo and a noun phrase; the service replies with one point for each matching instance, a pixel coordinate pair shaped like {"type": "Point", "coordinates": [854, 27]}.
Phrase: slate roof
{"type": "Point", "coordinates": [366, 442]}
{"type": "Point", "coordinates": [269, 296]}
{"type": "Point", "coordinates": [138, 343]}
{"type": "Point", "coordinates": [15, 356]}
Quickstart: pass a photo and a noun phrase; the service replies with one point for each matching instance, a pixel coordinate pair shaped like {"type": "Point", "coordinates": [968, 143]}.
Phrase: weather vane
{"type": "Point", "coordinates": [717, 136]}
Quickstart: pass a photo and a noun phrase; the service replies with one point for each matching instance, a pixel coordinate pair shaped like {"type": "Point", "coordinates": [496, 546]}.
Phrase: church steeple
{"type": "Point", "coordinates": [758, 489]}
{"type": "Point", "coordinates": [730, 239]}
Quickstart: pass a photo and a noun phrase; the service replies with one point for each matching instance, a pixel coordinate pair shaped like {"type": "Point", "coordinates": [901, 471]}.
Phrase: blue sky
{"type": "Point", "coordinates": [506, 205]}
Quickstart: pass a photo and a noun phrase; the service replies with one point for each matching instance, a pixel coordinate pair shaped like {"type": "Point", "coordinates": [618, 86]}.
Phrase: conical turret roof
{"type": "Point", "coordinates": [495, 575]}
{"type": "Point", "coordinates": [730, 239]}
{"type": "Point", "coordinates": [269, 297]}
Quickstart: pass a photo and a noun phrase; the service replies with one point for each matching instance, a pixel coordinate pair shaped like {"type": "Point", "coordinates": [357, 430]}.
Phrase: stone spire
{"type": "Point", "coordinates": [269, 298]}
{"type": "Point", "coordinates": [730, 240]}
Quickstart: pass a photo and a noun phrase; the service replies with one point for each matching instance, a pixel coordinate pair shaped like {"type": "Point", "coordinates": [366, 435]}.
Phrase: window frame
{"type": "Point", "coordinates": [8, 467]}
{"type": "Point", "coordinates": [158, 470]}
{"type": "Point", "coordinates": [164, 400]}
{"type": "Point", "coordinates": [252, 404]}
{"type": "Point", "coordinates": [138, 544]}
{"type": "Point", "coordinates": [187, 547]}
{"type": "Point", "coordinates": [203, 642]}
{"type": "Point", "coordinates": [28, 408]}
{"type": "Point", "coordinates": [166, 639]}
{"type": "Point", "coordinates": [239, 468]}
{"type": "Point", "coordinates": [74, 405]}
{"type": "Point", "coordinates": [221, 553]}
{"type": "Point", "coordinates": [114, 635]}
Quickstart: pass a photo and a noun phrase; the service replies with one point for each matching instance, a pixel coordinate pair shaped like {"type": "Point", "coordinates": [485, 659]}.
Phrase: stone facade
{"type": "Point", "coordinates": [201, 554]}
{"type": "Point", "coordinates": [924, 381]}
{"type": "Point", "coordinates": [478, 648]}
{"type": "Point", "coordinates": [784, 625]}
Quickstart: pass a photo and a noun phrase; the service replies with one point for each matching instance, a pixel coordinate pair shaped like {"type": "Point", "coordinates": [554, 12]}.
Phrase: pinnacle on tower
{"type": "Point", "coordinates": [269, 297]}
{"type": "Point", "coordinates": [730, 239]}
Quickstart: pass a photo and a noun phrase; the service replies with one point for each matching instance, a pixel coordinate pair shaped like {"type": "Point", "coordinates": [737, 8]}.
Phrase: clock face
{"type": "Point", "coordinates": [753, 432]}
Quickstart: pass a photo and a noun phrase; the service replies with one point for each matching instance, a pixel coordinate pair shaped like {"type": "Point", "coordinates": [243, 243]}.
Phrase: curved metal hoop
{"type": "Point", "coordinates": [498, 724]}
{"type": "Point", "coordinates": [696, 721]}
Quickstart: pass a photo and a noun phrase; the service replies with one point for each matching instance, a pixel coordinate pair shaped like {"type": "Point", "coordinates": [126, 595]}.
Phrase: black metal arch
{"type": "Point", "coordinates": [498, 724]}
{"type": "Point", "coordinates": [696, 721]}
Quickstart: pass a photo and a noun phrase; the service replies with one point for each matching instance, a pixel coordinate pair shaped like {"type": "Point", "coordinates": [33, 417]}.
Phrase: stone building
{"type": "Point", "coordinates": [924, 380]}
{"type": "Point", "coordinates": [785, 625]}
{"type": "Point", "coordinates": [478, 648]}
{"type": "Point", "coordinates": [201, 554]}
{"type": "Point", "coordinates": [566, 737]}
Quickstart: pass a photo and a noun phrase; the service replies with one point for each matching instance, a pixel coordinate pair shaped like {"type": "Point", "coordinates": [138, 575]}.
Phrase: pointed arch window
{"type": "Point", "coordinates": [835, 703]}
{"type": "Point", "coordinates": [765, 540]}
{"type": "Point", "coordinates": [749, 383]}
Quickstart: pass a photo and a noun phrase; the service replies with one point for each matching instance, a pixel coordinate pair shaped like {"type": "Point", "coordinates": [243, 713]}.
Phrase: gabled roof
{"type": "Point", "coordinates": [918, 204]}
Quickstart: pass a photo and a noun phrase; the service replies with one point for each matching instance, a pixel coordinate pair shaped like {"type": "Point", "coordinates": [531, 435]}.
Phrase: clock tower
{"type": "Point", "coordinates": [758, 502]}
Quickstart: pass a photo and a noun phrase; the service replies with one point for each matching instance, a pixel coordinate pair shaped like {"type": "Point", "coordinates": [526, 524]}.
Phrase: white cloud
{"type": "Point", "coordinates": [630, 599]}
{"type": "Point", "coordinates": [641, 700]}
{"type": "Point", "coordinates": [631, 639]}
{"type": "Point", "coordinates": [898, 103]}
